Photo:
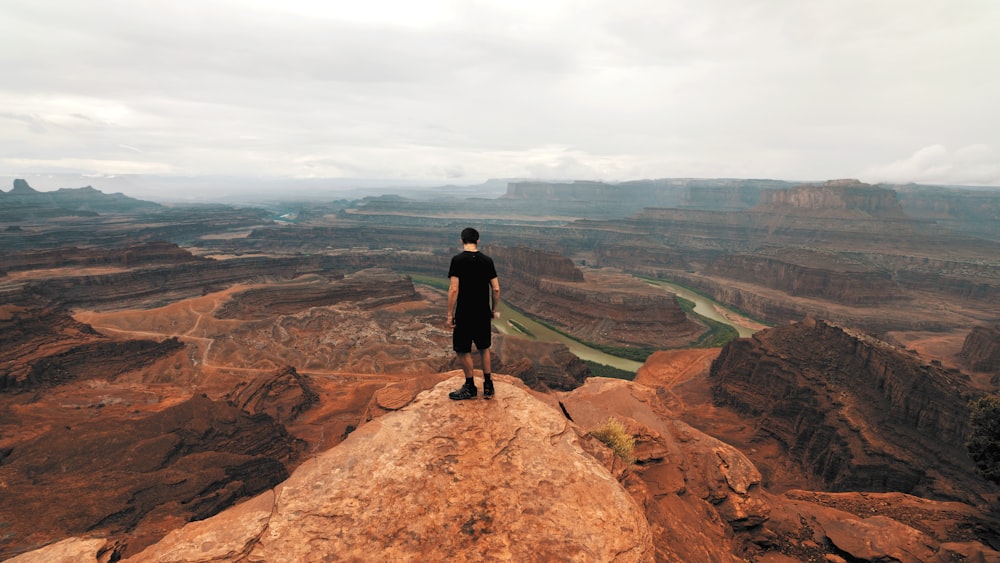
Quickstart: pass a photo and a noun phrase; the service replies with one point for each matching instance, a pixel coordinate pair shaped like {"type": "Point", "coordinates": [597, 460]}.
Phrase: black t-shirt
{"type": "Point", "coordinates": [474, 271]}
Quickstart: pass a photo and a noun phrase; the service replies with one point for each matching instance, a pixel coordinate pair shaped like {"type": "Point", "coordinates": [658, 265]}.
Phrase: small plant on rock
{"type": "Point", "coordinates": [613, 435]}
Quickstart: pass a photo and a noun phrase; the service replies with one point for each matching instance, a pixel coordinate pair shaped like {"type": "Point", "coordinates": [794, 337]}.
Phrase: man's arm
{"type": "Point", "coordinates": [495, 282]}
{"type": "Point", "coordinates": [452, 299]}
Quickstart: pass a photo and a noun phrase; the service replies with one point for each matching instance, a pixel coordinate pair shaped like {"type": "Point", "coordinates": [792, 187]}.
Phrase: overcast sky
{"type": "Point", "coordinates": [461, 91]}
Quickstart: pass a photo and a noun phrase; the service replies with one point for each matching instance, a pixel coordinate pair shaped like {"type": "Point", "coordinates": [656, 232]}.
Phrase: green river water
{"type": "Point", "coordinates": [703, 306]}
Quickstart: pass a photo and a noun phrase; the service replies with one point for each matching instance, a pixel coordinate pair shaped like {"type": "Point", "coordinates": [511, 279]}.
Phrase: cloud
{"type": "Point", "coordinates": [77, 164]}
{"type": "Point", "coordinates": [936, 164]}
{"type": "Point", "coordinates": [455, 89]}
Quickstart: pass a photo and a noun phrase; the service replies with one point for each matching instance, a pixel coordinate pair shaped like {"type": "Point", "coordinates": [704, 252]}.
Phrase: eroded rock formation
{"type": "Point", "coordinates": [367, 289]}
{"type": "Point", "coordinates": [154, 285]}
{"type": "Point", "coordinates": [44, 346]}
{"type": "Point", "coordinates": [186, 462]}
{"type": "Point", "coordinates": [601, 307]}
{"type": "Point", "coordinates": [981, 349]}
{"type": "Point", "coordinates": [679, 472]}
{"type": "Point", "coordinates": [847, 197]}
{"type": "Point", "coordinates": [140, 254]}
{"type": "Point", "coordinates": [855, 412]}
{"type": "Point", "coordinates": [802, 273]}
{"type": "Point", "coordinates": [514, 478]}
{"type": "Point", "coordinates": [283, 395]}
{"type": "Point", "coordinates": [540, 365]}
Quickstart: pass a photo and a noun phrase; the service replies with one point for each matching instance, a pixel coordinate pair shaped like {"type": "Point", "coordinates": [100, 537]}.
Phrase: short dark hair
{"type": "Point", "coordinates": [470, 236]}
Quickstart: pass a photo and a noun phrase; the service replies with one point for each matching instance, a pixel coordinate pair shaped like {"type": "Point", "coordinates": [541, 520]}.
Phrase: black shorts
{"type": "Point", "coordinates": [465, 333]}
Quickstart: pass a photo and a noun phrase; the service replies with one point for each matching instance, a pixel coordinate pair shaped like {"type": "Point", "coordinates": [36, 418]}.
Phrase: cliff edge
{"type": "Point", "coordinates": [435, 481]}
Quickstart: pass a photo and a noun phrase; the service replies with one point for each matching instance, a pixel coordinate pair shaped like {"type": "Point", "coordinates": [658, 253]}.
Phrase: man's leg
{"type": "Point", "coordinates": [462, 344]}
{"type": "Point", "coordinates": [467, 391]}
{"type": "Point", "coordinates": [467, 366]}
{"type": "Point", "coordinates": [484, 355]}
{"type": "Point", "coordinates": [486, 358]}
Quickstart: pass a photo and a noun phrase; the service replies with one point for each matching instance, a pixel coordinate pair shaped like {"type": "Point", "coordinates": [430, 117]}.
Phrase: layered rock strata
{"type": "Point", "coordinates": [855, 412]}
{"type": "Point", "coordinates": [140, 254]}
{"type": "Point", "coordinates": [811, 274]}
{"type": "Point", "coordinates": [41, 347]}
{"type": "Point", "coordinates": [155, 285]}
{"type": "Point", "coordinates": [514, 478]}
{"type": "Point", "coordinates": [368, 289]}
{"type": "Point", "coordinates": [108, 477]}
{"type": "Point", "coordinates": [600, 307]}
{"type": "Point", "coordinates": [847, 197]}
{"type": "Point", "coordinates": [981, 349]}
{"type": "Point", "coordinates": [283, 396]}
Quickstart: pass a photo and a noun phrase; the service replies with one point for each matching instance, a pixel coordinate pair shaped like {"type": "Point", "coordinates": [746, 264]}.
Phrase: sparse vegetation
{"type": "Point", "coordinates": [433, 281]}
{"type": "Point", "coordinates": [601, 370]}
{"type": "Point", "coordinates": [984, 441]}
{"type": "Point", "coordinates": [521, 328]}
{"type": "Point", "coordinates": [613, 435]}
{"type": "Point", "coordinates": [634, 354]}
{"type": "Point", "coordinates": [719, 334]}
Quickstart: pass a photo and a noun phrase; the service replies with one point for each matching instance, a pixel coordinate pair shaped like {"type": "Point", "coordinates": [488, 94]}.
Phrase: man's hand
{"type": "Point", "coordinates": [496, 314]}
{"type": "Point", "coordinates": [451, 321]}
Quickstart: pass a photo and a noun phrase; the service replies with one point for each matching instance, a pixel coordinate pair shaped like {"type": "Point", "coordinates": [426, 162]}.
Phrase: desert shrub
{"type": "Point", "coordinates": [612, 433]}
{"type": "Point", "coordinates": [984, 440]}
{"type": "Point", "coordinates": [601, 370]}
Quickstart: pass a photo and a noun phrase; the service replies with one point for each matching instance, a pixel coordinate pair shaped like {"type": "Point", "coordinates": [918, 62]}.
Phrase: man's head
{"type": "Point", "coordinates": [470, 236]}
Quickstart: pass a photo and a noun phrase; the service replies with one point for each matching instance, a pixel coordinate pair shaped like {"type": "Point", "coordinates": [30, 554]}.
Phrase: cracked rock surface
{"type": "Point", "coordinates": [438, 480]}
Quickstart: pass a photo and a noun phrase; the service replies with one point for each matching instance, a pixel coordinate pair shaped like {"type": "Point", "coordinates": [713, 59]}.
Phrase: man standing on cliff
{"type": "Point", "coordinates": [473, 280]}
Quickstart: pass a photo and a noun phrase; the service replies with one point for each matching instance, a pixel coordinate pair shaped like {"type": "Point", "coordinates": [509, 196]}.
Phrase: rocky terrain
{"type": "Point", "coordinates": [860, 255]}
{"type": "Point", "coordinates": [854, 412]}
{"type": "Point", "coordinates": [516, 478]}
{"type": "Point", "coordinates": [600, 307]}
{"type": "Point", "coordinates": [212, 369]}
{"type": "Point", "coordinates": [981, 350]}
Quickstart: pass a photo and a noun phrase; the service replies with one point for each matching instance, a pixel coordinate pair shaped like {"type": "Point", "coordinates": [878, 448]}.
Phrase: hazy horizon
{"type": "Point", "coordinates": [452, 92]}
{"type": "Point", "coordinates": [231, 189]}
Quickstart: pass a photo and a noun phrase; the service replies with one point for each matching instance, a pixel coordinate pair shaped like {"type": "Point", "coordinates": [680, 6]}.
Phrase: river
{"type": "Point", "coordinates": [713, 310]}
{"type": "Point", "coordinates": [703, 306]}
{"type": "Point", "coordinates": [545, 334]}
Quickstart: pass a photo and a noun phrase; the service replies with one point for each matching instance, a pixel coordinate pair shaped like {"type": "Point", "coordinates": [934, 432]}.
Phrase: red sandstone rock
{"type": "Point", "coordinates": [438, 480]}
{"type": "Point", "coordinates": [695, 489]}
{"type": "Point", "coordinates": [854, 411]}
{"type": "Point", "coordinates": [111, 477]}
{"type": "Point", "coordinates": [283, 396]}
{"type": "Point", "coordinates": [981, 349]}
{"type": "Point", "coordinates": [368, 288]}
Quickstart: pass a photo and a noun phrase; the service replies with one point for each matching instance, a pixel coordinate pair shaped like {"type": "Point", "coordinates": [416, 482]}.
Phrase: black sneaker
{"type": "Point", "coordinates": [487, 389]}
{"type": "Point", "coordinates": [465, 392]}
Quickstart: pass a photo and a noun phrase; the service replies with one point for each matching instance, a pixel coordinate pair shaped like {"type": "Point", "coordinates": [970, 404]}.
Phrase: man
{"type": "Point", "coordinates": [473, 279]}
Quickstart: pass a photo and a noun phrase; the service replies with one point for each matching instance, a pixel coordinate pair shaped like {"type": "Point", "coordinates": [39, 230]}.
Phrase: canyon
{"type": "Point", "coordinates": [210, 367]}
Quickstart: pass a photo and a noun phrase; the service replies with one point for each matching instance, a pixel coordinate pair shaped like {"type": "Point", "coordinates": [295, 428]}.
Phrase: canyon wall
{"type": "Point", "coordinates": [981, 349]}
{"type": "Point", "coordinates": [855, 412]}
{"type": "Point", "coordinates": [806, 274]}
{"type": "Point", "coordinates": [138, 476]}
{"type": "Point", "coordinates": [847, 196]}
{"type": "Point", "coordinates": [42, 347]}
{"type": "Point", "coordinates": [531, 266]}
{"type": "Point", "coordinates": [601, 307]}
{"type": "Point", "coordinates": [367, 288]}
{"type": "Point", "coordinates": [150, 286]}
{"type": "Point", "coordinates": [156, 252]}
